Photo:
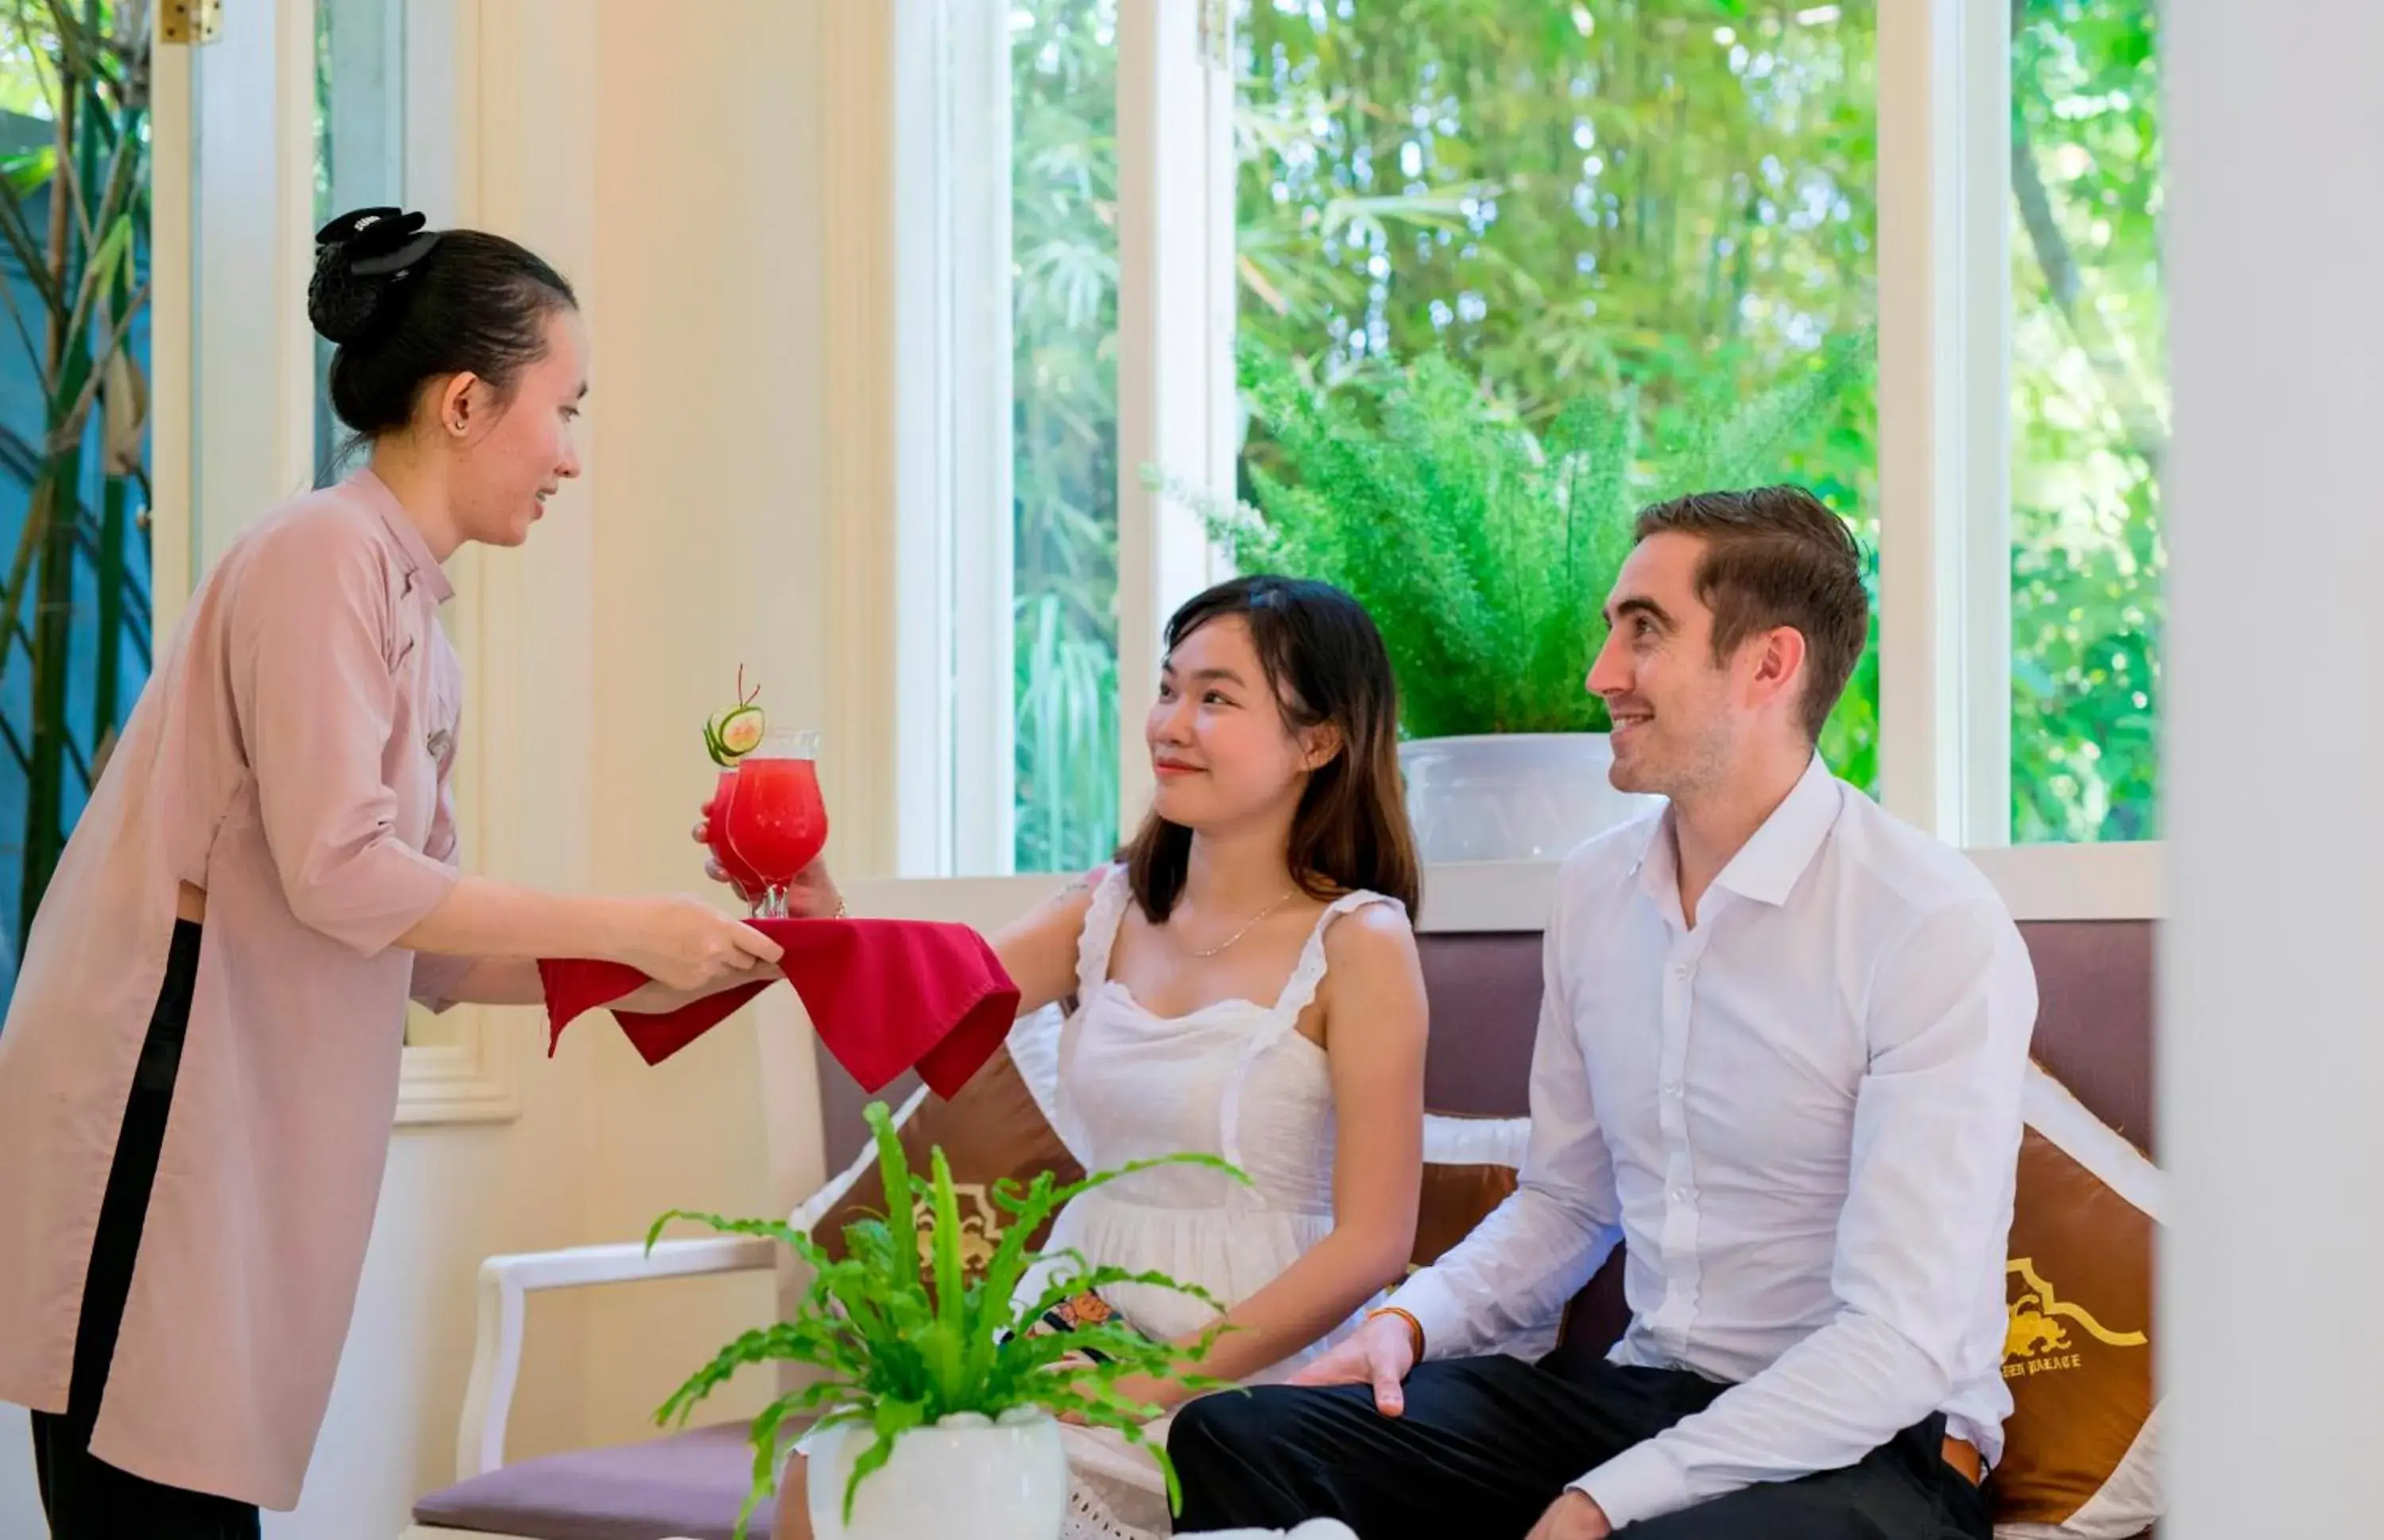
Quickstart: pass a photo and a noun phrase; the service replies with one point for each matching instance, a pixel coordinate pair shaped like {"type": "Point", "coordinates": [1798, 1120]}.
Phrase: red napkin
{"type": "Point", "coordinates": [884, 996]}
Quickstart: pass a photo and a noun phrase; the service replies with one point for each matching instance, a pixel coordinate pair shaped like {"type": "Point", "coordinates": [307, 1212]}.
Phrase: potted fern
{"type": "Point", "coordinates": [1484, 553]}
{"type": "Point", "coordinates": [937, 1405]}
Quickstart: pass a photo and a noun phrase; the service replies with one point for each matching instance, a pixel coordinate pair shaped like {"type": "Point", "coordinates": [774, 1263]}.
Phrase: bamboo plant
{"type": "Point", "coordinates": [74, 226]}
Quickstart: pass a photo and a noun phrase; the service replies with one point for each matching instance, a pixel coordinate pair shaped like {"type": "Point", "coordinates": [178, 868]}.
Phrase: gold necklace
{"type": "Point", "coordinates": [1247, 927]}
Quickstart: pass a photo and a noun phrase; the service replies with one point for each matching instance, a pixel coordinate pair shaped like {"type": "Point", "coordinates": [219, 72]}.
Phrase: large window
{"type": "Point", "coordinates": [1667, 208]}
{"type": "Point", "coordinates": [2090, 419]}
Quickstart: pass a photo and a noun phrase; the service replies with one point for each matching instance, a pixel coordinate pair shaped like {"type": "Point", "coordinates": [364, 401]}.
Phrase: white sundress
{"type": "Point", "coordinates": [1234, 1079]}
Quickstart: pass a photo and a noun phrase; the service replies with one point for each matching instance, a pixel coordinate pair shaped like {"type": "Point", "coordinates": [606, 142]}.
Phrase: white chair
{"type": "Point", "coordinates": [692, 1480]}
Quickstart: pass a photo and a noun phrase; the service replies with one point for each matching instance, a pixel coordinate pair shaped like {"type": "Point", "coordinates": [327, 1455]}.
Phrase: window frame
{"type": "Point", "coordinates": [1177, 409]}
{"type": "Point", "coordinates": [950, 194]}
{"type": "Point", "coordinates": [1945, 385]}
{"type": "Point", "coordinates": [1945, 439]}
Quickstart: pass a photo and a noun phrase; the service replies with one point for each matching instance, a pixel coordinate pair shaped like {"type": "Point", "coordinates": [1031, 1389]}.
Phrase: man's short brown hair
{"type": "Point", "coordinates": [1777, 557]}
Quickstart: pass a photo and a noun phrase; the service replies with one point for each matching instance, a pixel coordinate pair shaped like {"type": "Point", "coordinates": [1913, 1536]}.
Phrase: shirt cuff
{"type": "Point", "coordinates": [1640, 1483]}
{"type": "Point", "coordinates": [1428, 1297]}
{"type": "Point", "coordinates": [436, 979]}
{"type": "Point", "coordinates": [376, 896]}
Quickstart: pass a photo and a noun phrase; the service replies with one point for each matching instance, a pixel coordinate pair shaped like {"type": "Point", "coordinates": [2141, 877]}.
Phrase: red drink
{"type": "Point", "coordinates": [778, 823]}
{"type": "Point", "coordinates": [715, 819]}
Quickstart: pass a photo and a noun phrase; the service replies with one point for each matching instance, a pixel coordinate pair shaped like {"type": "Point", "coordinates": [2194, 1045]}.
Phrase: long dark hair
{"type": "Point", "coordinates": [1325, 663]}
{"type": "Point", "coordinates": [406, 305]}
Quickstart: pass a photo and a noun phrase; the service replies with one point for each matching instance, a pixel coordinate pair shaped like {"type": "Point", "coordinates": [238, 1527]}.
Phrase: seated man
{"type": "Point", "coordinates": [1781, 1053]}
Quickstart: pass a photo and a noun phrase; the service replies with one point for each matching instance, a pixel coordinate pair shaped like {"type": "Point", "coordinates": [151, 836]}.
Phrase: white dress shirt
{"type": "Point", "coordinates": [1803, 1117]}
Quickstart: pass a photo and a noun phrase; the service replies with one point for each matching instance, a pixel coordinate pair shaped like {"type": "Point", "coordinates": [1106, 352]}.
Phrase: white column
{"type": "Point", "coordinates": [1944, 386]}
{"type": "Point", "coordinates": [1175, 331]}
{"type": "Point", "coordinates": [954, 767]}
{"type": "Point", "coordinates": [2272, 1020]}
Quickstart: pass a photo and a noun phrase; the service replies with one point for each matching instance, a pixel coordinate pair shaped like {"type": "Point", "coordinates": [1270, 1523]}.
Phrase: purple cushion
{"type": "Point", "coordinates": [690, 1484]}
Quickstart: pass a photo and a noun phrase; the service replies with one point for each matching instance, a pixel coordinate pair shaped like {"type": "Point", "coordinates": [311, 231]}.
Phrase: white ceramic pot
{"type": "Point", "coordinates": [963, 1476]}
{"type": "Point", "coordinates": [1513, 796]}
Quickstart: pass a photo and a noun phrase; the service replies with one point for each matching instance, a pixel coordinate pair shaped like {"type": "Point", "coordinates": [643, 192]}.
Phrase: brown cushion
{"type": "Point", "coordinates": [690, 1484]}
{"type": "Point", "coordinates": [1454, 1200]}
{"type": "Point", "coordinates": [2078, 1355]}
{"type": "Point", "coordinates": [991, 1130]}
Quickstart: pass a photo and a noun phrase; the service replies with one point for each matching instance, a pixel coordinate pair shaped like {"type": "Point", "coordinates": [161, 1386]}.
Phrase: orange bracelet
{"type": "Point", "coordinates": [1415, 1327]}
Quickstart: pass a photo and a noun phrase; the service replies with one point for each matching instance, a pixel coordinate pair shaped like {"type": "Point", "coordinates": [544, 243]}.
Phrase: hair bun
{"type": "Point", "coordinates": [361, 259]}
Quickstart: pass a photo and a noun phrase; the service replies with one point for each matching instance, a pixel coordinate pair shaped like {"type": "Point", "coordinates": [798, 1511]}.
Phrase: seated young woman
{"type": "Point", "coordinates": [1246, 984]}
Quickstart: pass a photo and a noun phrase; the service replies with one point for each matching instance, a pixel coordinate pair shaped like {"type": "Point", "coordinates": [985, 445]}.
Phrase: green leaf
{"type": "Point", "coordinates": [891, 1420]}
{"type": "Point", "coordinates": [26, 171]}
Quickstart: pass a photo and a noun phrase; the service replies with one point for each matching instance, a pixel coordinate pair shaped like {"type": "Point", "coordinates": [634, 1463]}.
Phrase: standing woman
{"type": "Point", "coordinates": [200, 1066]}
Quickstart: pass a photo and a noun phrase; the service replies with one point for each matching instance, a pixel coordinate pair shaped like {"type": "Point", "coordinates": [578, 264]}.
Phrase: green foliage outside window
{"type": "Point", "coordinates": [1642, 205]}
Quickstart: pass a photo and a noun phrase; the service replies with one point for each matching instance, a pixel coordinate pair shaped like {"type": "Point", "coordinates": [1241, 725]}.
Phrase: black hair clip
{"type": "Point", "coordinates": [378, 243]}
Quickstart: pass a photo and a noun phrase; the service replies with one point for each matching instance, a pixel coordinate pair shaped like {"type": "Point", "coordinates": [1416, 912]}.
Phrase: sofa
{"type": "Point", "coordinates": [2093, 1032]}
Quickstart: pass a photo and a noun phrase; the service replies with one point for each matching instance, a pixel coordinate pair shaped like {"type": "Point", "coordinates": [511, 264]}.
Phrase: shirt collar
{"type": "Point", "coordinates": [1768, 866]}
{"type": "Point", "coordinates": [411, 548]}
{"type": "Point", "coordinates": [1658, 863]}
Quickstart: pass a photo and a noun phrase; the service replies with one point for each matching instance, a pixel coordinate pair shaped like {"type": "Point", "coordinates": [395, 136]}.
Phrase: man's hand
{"type": "Point", "coordinates": [1379, 1353]}
{"type": "Point", "coordinates": [1574, 1516]}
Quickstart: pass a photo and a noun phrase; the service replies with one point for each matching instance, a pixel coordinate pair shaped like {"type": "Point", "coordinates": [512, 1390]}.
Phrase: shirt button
{"type": "Point", "coordinates": [1672, 1089]}
{"type": "Point", "coordinates": [1680, 1195]}
{"type": "Point", "coordinates": [1682, 969]}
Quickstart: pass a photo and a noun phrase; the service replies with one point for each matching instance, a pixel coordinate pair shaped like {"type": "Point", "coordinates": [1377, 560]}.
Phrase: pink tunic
{"type": "Point", "coordinates": [291, 758]}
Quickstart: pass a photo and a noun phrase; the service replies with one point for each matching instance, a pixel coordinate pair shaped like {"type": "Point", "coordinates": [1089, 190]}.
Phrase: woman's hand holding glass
{"type": "Point", "coordinates": [813, 895]}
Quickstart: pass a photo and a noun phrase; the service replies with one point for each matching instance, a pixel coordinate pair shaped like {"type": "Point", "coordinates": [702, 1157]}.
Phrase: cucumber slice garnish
{"type": "Point", "coordinates": [735, 731]}
{"type": "Point", "coordinates": [740, 731]}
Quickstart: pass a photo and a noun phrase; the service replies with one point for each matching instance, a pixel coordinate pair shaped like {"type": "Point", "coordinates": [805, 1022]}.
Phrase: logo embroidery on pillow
{"type": "Point", "coordinates": [2036, 1342]}
{"type": "Point", "coordinates": [980, 1231]}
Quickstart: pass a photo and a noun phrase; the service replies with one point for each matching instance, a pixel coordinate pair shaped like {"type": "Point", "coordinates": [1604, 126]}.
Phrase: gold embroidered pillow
{"type": "Point", "coordinates": [2081, 1448]}
{"type": "Point", "coordinates": [995, 1128]}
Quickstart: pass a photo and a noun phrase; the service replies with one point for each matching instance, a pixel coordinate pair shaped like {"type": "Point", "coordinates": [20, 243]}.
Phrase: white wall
{"type": "Point", "coordinates": [2272, 1036]}
{"type": "Point", "coordinates": [708, 557]}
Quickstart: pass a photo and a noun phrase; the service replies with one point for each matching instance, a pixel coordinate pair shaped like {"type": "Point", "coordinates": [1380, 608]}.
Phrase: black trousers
{"type": "Point", "coordinates": [87, 1498]}
{"type": "Point", "coordinates": [1486, 1445]}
